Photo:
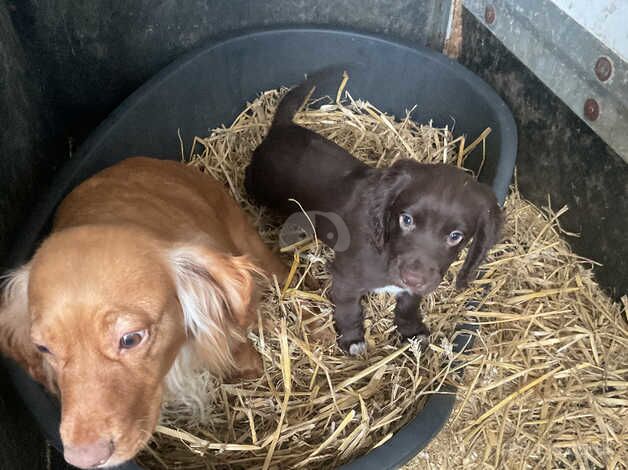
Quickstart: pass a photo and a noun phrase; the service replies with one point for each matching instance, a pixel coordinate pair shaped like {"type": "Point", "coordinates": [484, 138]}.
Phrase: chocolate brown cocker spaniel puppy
{"type": "Point", "coordinates": [396, 229]}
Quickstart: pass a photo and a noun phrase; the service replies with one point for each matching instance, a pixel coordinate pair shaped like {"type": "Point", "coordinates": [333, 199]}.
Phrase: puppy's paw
{"type": "Point", "coordinates": [354, 347]}
{"type": "Point", "coordinates": [462, 281]}
{"type": "Point", "coordinates": [357, 349]}
{"type": "Point", "coordinates": [249, 363]}
{"type": "Point", "coordinates": [411, 330]}
{"type": "Point", "coordinates": [252, 372]}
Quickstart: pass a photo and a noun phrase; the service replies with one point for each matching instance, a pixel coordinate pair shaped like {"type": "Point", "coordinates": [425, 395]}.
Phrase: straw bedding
{"type": "Point", "coordinates": [544, 384]}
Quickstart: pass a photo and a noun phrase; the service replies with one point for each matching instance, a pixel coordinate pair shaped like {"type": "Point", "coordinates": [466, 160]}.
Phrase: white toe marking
{"type": "Point", "coordinates": [357, 349]}
{"type": "Point", "coordinates": [389, 290]}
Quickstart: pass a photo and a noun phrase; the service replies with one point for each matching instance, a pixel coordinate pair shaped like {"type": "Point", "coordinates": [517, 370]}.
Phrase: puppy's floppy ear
{"type": "Point", "coordinates": [487, 231]}
{"type": "Point", "coordinates": [388, 184]}
{"type": "Point", "coordinates": [15, 326]}
{"type": "Point", "coordinates": [217, 296]}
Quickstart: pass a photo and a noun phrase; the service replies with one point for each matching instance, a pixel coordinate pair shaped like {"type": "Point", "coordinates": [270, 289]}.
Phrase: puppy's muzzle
{"type": "Point", "coordinates": [418, 279]}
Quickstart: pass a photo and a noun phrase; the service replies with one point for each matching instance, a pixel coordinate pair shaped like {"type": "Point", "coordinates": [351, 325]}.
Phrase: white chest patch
{"type": "Point", "coordinates": [389, 290]}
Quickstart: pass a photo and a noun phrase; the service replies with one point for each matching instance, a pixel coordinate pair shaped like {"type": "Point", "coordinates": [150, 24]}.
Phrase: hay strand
{"type": "Point", "coordinates": [544, 385]}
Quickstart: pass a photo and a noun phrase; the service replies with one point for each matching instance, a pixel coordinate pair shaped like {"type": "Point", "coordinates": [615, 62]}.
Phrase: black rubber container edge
{"type": "Point", "coordinates": [412, 437]}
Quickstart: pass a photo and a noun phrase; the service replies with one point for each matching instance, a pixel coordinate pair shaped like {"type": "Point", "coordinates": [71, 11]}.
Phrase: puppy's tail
{"type": "Point", "coordinates": [292, 102]}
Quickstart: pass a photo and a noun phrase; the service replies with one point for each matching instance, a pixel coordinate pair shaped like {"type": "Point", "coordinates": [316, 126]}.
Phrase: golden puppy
{"type": "Point", "coordinates": [146, 278]}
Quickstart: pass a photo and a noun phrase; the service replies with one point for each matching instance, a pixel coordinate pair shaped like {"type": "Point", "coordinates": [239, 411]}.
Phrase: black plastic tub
{"type": "Point", "coordinates": [210, 86]}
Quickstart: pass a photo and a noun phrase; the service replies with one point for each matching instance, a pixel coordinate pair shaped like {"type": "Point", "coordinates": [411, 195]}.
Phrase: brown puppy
{"type": "Point", "coordinates": [394, 229]}
{"type": "Point", "coordinates": [147, 277]}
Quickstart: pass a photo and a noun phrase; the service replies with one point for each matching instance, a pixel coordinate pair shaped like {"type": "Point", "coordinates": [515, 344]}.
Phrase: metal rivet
{"type": "Point", "coordinates": [603, 69]}
{"type": "Point", "coordinates": [591, 109]}
{"type": "Point", "coordinates": [489, 14]}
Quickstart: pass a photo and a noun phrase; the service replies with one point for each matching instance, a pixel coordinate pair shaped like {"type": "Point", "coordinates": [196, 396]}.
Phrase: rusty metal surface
{"type": "Point", "coordinates": [569, 59]}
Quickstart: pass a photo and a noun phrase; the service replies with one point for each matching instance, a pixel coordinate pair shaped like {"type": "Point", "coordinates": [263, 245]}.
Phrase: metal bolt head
{"type": "Point", "coordinates": [603, 69]}
{"type": "Point", "coordinates": [489, 14]}
{"type": "Point", "coordinates": [591, 109]}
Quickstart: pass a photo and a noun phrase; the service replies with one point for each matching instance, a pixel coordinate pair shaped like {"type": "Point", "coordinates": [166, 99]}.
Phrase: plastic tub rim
{"type": "Point", "coordinates": [415, 434]}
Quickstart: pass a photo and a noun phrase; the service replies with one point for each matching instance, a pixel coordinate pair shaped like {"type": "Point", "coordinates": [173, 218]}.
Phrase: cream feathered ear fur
{"type": "Point", "coordinates": [217, 296]}
{"type": "Point", "coordinates": [15, 325]}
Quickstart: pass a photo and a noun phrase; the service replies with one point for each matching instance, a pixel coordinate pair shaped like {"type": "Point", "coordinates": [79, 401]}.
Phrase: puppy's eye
{"type": "Point", "coordinates": [455, 237]}
{"type": "Point", "coordinates": [133, 339]}
{"type": "Point", "coordinates": [406, 221]}
{"type": "Point", "coordinates": [42, 349]}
